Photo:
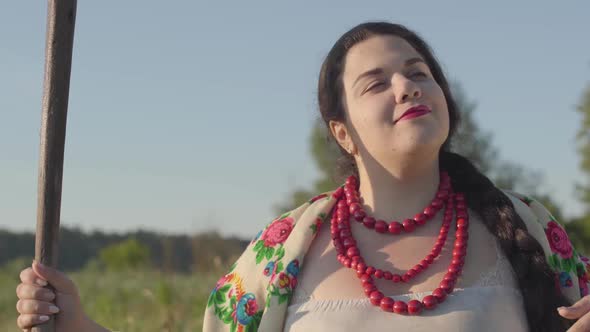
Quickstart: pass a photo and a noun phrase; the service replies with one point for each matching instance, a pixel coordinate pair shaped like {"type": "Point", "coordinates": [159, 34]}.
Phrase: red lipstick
{"type": "Point", "coordinates": [414, 112]}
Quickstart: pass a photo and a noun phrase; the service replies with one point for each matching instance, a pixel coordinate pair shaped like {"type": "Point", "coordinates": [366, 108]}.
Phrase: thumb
{"type": "Point", "coordinates": [577, 310]}
{"type": "Point", "coordinates": [56, 278]}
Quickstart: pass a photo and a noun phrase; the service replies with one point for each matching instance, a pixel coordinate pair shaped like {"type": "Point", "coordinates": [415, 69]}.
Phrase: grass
{"type": "Point", "coordinates": [129, 301]}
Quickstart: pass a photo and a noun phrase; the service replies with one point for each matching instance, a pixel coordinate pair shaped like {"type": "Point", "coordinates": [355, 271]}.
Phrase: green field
{"type": "Point", "coordinates": [144, 300]}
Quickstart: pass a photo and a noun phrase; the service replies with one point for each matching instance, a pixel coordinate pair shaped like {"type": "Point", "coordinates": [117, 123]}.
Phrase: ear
{"type": "Point", "coordinates": [340, 133]}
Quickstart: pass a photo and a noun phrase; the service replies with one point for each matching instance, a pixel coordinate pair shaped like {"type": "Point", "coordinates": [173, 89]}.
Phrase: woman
{"type": "Point", "coordinates": [416, 239]}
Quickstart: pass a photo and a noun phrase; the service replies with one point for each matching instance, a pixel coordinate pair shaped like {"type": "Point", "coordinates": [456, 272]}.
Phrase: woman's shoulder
{"type": "Point", "coordinates": [572, 269]}
{"type": "Point", "coordinates": [265, 274]}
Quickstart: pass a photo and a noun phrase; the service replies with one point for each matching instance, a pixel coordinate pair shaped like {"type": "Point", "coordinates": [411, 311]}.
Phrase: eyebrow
{"type": "Point", "coordinates": [376, 71]}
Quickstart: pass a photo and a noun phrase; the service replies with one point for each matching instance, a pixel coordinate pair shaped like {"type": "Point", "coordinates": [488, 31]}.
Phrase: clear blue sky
{"type": "Point", "coordinates": [186, 115]}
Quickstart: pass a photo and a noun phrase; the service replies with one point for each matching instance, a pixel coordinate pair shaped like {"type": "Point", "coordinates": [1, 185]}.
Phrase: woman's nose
{"type": "Point", "coordinates": [405, 89]}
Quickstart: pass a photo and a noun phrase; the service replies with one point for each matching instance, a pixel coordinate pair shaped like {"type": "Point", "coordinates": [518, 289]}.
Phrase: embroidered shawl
{"type": "Point", "coordinates": [255, 293]}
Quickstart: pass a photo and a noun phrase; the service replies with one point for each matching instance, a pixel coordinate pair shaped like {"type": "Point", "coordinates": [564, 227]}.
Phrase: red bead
{"type": "Point", "coordinates": [345, 233]}
{"type": "Point", "coordinates": [396, 278]}
{"type": "Point", "coordinates": [352, 251]}
{"type": "Point", "coordinates": [459, 261]}
{"type": "Point", "coordinates": [342, 219]}
{"type": "Point", "coordinates": [366, 277]}
{"type": "Point", "coordinates": [460, 252]}
{"type": "Point", "coordinates": [370, 270]}
{"type": "Point", "coordinates": [342, 209]}
{"type": "Point", "coordinates": [354, 207]}
{"type": "Point", "coordinates": [351, 181]}
{"type": "Point", "coordinates": [338, 193]}
{"type": "Point", "coordinates": [409, 225]}
{"type": "Point", "coordinates": [424, 264]}
{"type": "Point", "coordinates": [378, 274]}
{"type": "Point", "coordinates": [361, 267]}
{"type": "Point", "coordinates": [376, 297]}
{"type": "Point", "coordinates": [400, 307]}
{"type": "Point", "coordinates": [420, 219]}
{"type": "Point", "coordinates": [462, 234]}
{"type": "Point", "coordinates": [348, 242]}
{"type": "Point", "coordinates": [447, 286]}
{"type": "Point", "coordinates": [387, 275]}
{"type": "Point", "coordinates": [437, 203]}
{"type": "Point", "coordinates": [380, 226]}
{"type": "Point", "coordinates": [429, 211]}
{"type": "Point", "coordinates": [455, 269]}
{"type": "Point", "coordinates": [367, 283]}
{"type": "Point", "coordinates": [406, 277]}
{"type": "Point", "coordinates": [395, 227]}
{"type": "Point", "coordinates": [359, 215]}
{"type": "Point", "coordinates": [370, 289]}
{"type": "Point", "coordinates": [450, 276]}
{"type": "Point", "coordinates": [346, 262]}
{"type": "Point", "coordinates": [429, 302]}
{"type": "Point", "coordinates": [387, 304]}
{"type": "Point", "coordinates": [430, 258]}
{"type": "Point", "coordinates": [436, 250]}
{"type": "Point", "coordinates": [414, 307]}
{"type": "Point", "coordinates": [369, 222]}
{"type": "Point", "coordinates": [440, 294]}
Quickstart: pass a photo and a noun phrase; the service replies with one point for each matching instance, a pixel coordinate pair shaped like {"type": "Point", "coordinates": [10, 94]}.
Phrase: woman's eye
{"type": "Point", "coordinates": [419, 74]}
{"type": "Point", "coordinates": [373, 86]}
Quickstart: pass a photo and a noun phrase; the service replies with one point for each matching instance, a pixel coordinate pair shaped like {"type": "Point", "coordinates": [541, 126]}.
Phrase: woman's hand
{"type": "Point", "coordinates": [37, 303]}
{"type": "Point", "coordinates": [580, 311]}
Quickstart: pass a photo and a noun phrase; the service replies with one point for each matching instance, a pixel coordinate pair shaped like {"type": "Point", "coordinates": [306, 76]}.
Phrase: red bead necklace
{"type": "Point", "coordinates": [350, 256]}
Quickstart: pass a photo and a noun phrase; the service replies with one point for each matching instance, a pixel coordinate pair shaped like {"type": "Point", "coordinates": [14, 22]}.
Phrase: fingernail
{"type": "Point", "coordinates": [43, 318]}
{"type": "Point", "coordinates": [561, 308]}
{"type": "Point", "coordinates": [49, 296]}
{"type": "Point", "coordinates": [41, 282]}
{"type": "Point", "coordinates": [53, 309]}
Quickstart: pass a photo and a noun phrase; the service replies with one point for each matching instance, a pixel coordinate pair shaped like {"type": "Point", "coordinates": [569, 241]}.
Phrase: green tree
{"type": "Point", "coordinates": [129, 254]}
{"type": "Point", "coordinates": [579, 228]}
{"type": "Point", "coordinates": [583, 139]}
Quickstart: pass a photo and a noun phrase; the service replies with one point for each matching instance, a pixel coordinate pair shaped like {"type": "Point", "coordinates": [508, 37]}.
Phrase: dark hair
{"type": "Point", "coordinates": [495, 209]}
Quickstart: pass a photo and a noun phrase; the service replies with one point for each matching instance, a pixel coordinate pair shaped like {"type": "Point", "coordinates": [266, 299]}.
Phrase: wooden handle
{"type": "Point", "coordinates": [61, 18]}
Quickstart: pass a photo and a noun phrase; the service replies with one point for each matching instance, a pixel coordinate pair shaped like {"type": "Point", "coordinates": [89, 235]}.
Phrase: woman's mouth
{"type": "Point", "coordinates": [414, 112]}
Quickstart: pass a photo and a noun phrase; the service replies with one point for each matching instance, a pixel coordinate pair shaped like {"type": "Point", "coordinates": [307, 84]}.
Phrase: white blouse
{"type": "Point", "coordinates": [494, 303]}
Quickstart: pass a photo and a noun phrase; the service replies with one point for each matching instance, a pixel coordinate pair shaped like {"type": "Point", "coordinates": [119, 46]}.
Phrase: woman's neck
{"type": "Point", "coordinates": [401, 192]}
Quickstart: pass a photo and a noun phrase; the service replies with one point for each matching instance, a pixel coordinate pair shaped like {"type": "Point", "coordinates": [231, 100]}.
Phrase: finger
{"type": "Point", "coordinates": [36, 307]}
{"type": "Point", "coordinates": [577, 310]}
{"type": "Point", "coordinates": [25, 322]}
{"type": "Point", "coordinates": [28, 276]}
{"type": "Point", "coordinates": [34, 292]}
{"type": "Point", "coordinates": [56, 278]}
{"type": "Point", "coordinates": [582, 325]}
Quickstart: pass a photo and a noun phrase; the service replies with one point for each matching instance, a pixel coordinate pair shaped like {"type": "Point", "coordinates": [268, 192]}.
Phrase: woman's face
{"type": "Point", "coordinates": [384, 77]}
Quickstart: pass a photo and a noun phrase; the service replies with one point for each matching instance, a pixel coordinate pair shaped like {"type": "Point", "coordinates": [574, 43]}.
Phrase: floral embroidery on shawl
{"type": "Point", "coordinates": [315, 227]}
{"type": "Point", "coordinates": [269, 242]}
{"type": "Point", "coordinates": [563, 259]}
{"type": "Point", "coordinates": [233, 306]}
{"type": "Point", "coordinates": [286, 283]}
